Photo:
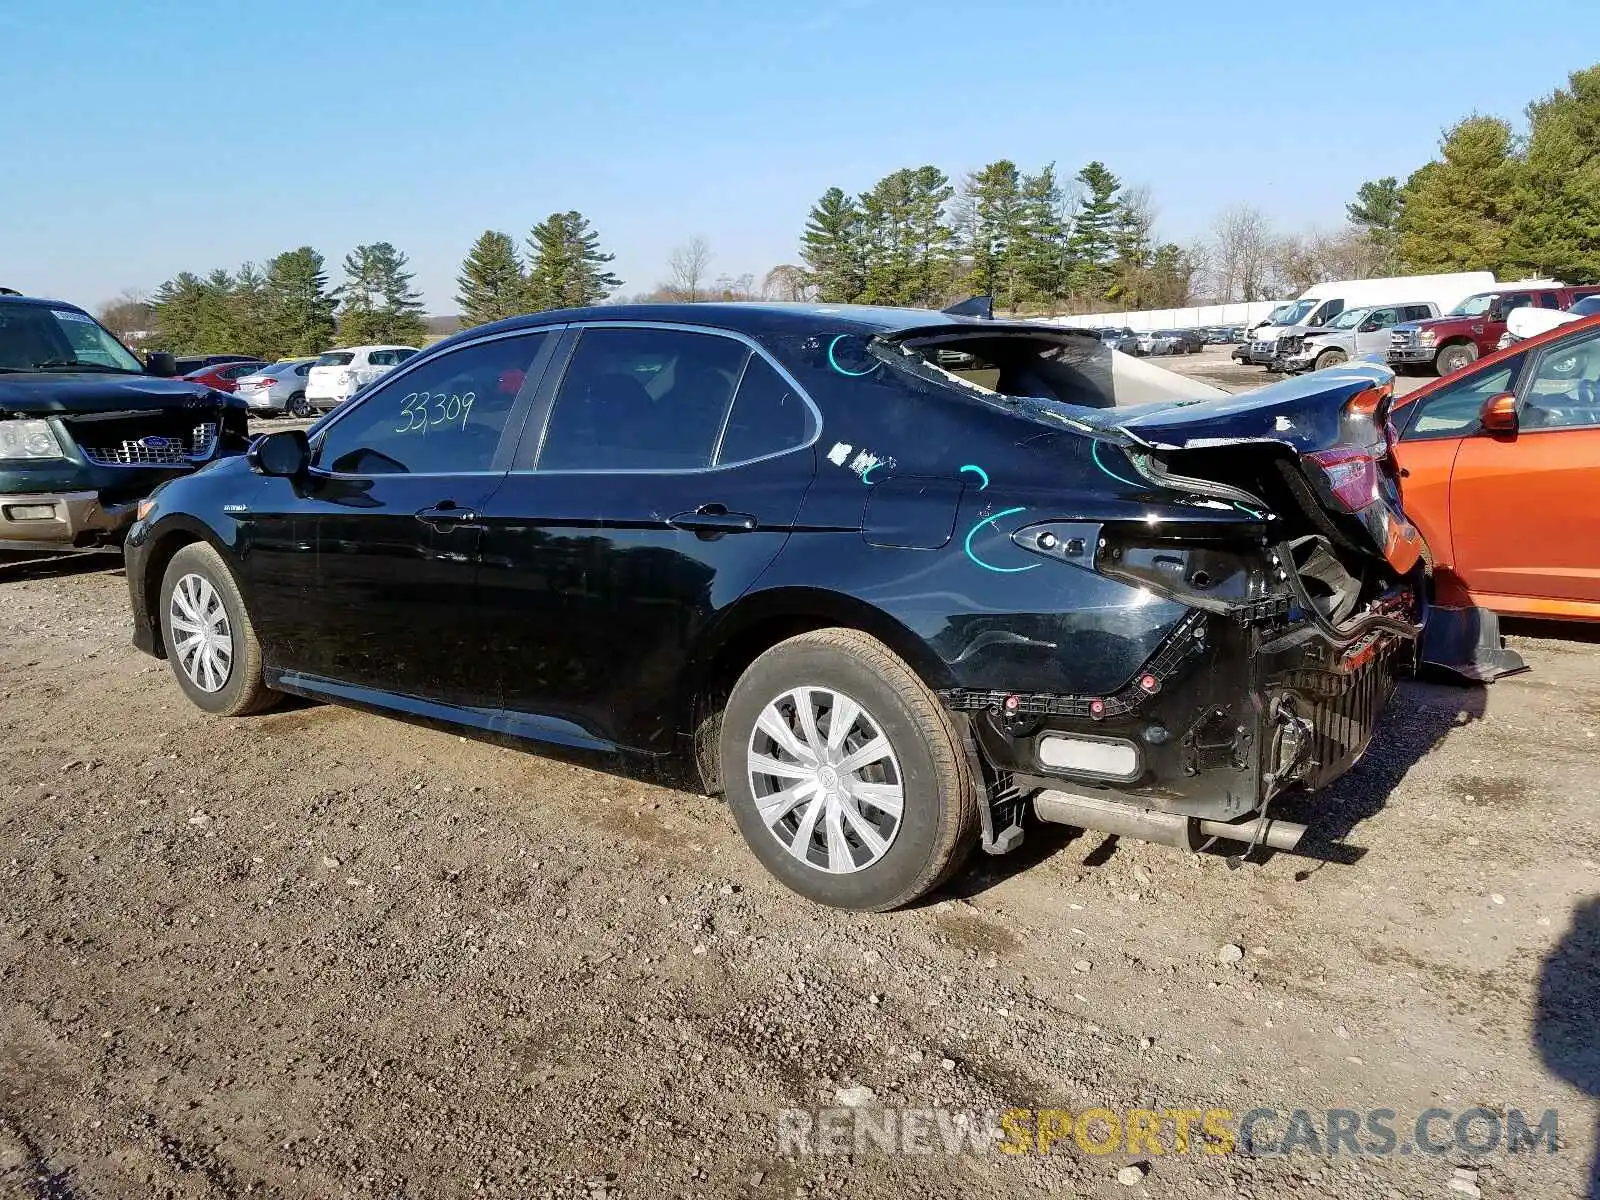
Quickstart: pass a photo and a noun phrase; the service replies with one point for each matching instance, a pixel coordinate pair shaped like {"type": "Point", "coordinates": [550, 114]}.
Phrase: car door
{"type": "Point", "coordinates": [390, 506]}
{"type": "Point", "coordinates": [658, 477]}
{"type": "Point", "coordinates": [1525, 506]}
{"type": "Point", "coordinates": [1432, 428]}
{"type": "Point", "coordinates": [1372, 335]}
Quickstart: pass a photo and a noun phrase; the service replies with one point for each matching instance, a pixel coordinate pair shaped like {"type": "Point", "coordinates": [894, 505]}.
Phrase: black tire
{"type": "Point", "coordinates": [1330, 358]}
{"type": "Point", "coordinates": [242, 690]}
{"type": "Point", "coordinates": [938, 822]}
{"type": "Point", "coordinates": [298, 406]}
{"type": "Point", "coordinates": [1454, 357]}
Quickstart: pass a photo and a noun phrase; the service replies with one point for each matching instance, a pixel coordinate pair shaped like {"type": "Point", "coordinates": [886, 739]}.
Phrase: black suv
{"type": "Point", "coordinates": [891, 579]}
{"type": "Point", "coordinates": [86, 430]}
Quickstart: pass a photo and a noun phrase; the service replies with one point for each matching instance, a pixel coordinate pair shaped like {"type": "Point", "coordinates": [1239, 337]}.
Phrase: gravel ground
{"type": "Point", "coordinates": [320, 953]}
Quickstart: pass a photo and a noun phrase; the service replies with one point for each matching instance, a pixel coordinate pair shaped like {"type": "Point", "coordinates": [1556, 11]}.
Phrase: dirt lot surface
{"type": "Point", "coordinates": [319, 953]}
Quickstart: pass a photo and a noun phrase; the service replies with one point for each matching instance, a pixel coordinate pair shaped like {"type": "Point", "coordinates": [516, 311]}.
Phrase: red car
{"type": "Point", "coordinates": [1500, 466]}
{"type": "Point", "coordinates": [224, 376]}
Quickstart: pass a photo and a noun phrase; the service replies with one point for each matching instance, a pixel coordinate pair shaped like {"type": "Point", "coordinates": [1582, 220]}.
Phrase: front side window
{"type": "Point", "coordinates": [1564, 392]}
{"type": "Point", "coordinates": [447, 416]}
{"type": "Point", "coordinates": [1379, 318]}
{"type": "Point", "coordinates": [642, 400]}
{"type": "Point", "coordinates": [1453, 410]}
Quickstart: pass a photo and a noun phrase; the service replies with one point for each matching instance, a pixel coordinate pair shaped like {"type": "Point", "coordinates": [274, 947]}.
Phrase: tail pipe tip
{"type": "Point", "coordinates": [1167, 828]}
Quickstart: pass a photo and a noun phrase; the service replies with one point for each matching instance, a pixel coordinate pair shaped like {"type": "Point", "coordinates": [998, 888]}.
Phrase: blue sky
{"type": "Point", "coordinates": [141, 139]}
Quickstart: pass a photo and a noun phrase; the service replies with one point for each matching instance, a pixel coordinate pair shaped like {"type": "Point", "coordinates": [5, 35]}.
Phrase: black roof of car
{"type": "Point", "coordinates": [39, 302]}
{"type": "Point", "coordinates": [750, 318]}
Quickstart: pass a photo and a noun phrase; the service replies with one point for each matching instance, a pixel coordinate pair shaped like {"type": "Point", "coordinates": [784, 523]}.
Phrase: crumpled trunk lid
{"type": "Point", "coordinates": [1319, 444]}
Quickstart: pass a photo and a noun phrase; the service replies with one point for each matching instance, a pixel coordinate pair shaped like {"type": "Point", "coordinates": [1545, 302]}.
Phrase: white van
{"type": "Point", "coordinates": [1320, 304]}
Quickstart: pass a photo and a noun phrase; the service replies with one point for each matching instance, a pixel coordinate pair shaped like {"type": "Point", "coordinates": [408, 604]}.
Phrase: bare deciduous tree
{"type": "Point", "coordinates": [687, 267]}
{"type": "Point", "coordinates": [786, 282]}
{"type": "Point", "coordinates": [130, 312]}
{"type": "Point", "coordinates": [1242, 243]}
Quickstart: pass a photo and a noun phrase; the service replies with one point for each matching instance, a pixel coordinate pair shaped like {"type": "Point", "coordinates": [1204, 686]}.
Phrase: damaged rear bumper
{"type": "Point", "coordinates": [1230, 712]}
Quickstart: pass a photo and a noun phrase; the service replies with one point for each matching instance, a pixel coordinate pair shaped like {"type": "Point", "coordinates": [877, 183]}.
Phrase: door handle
{"type": "Point", "coordinates": [447, 515]}
{"type": "Point", "coordinates": [714, 520]}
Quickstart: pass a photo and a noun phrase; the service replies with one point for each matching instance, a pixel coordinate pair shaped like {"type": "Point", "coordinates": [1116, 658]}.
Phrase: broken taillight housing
{"type": "Point", "coordinates": [1352, 475]}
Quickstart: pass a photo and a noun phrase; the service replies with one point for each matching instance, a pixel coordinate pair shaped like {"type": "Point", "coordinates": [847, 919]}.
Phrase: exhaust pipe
{"type": "Point", "coordinates": [1153, 825]}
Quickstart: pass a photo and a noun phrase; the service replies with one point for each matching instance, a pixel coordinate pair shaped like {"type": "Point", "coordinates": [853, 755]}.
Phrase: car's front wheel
{"type": "Point", "coordinates": [1456, 357]}
{"type": "Point", "coordinates": [844, 773]}
{"type": "Point", "coordinates": [1330, 358]}
{"type": "Point", "coordinates": [208, 636]}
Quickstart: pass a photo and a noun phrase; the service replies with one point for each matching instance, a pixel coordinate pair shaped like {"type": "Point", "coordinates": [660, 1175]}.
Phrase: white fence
{"type": "Point", "coordinates": [1245, 314]}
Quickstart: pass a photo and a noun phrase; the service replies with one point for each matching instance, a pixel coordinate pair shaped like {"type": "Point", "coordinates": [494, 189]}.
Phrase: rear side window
{"type": "Point", "coordinates": [642, 400]}
{"type": "Point", "coordinates": [768, 416]}
{"type": "Point", "coordinates": [401, 355]}
{"type": "Point", "coordinates": [1417, 312]}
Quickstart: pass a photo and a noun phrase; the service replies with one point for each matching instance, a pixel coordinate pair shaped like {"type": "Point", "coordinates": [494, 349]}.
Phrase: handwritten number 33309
{"type": "Point", "coordinates": [425, 410]}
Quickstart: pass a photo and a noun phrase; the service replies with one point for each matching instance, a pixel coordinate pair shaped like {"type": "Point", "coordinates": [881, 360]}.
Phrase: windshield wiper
{"type": "Point", "coordinates": [72, 364]}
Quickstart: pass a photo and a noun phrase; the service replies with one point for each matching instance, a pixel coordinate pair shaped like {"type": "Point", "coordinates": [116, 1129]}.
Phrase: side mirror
{"type": "Point", "coordinates": [285, 454]}
{"type": "Point", "coordinates": [161, 364]}
{"type": "Point", "coordinates": [1499, 414]}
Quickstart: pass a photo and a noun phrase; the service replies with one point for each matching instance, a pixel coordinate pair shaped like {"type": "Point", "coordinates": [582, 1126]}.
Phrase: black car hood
{"type": "Point", "coordinates": [56, 393]}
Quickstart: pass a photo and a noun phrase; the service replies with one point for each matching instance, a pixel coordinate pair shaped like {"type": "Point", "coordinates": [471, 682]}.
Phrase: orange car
{"type": "Point", "coordinates": [1500, 465]}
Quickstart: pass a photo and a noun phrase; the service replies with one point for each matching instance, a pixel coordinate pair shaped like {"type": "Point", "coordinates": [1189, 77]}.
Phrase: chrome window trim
{"type": "Point", "coordinates": [754, 346]}
{"type": "Point", "coordinates": [422, 358]}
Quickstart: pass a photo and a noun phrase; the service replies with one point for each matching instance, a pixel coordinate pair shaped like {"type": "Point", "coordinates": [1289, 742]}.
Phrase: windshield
{"type": "Point", "coordinates": [1294, 313]}
{"type": "Point", "coordinates": [1475, 306]}
{"type": "Point", "coordinates": [1586, 307]}
{"type": "Point", "coordinates": [1275, 317]}
{"type": "Point", "coordinates": [35, 337]}
{"type": "Point", "coordinates": [1349, 318]}
{"type": "Point", "coordinates": [335, 358]}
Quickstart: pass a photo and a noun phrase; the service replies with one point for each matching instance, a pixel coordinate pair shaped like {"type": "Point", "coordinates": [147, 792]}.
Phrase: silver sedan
{"type": "Point", "coordinates": [278, 388]}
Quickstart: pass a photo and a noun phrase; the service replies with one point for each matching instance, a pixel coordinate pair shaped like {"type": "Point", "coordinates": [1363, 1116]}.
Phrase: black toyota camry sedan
{"type": "Point", "coordinates": [896, 583]}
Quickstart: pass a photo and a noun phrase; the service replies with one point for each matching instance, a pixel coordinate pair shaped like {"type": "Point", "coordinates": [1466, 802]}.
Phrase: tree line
{"type": "Point", "coordinates": [289, 308]}
{"type": "Point", "coordinates": [1493, 199]}
{"type": "Point", "coordinates": [914, 238]}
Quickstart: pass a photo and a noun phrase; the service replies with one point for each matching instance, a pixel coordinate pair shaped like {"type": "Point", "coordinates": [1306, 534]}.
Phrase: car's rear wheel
{"type": "Point", "coordinates": [844, 773]}
{"type": "Point", "coordinates": [1453, 358]}
{"type": "Point", "coordinates": [210, 642]}
{"type": "Point", "coordinates": [1330, 358]}
{"type": "Point", "coordinates": [298, 406]}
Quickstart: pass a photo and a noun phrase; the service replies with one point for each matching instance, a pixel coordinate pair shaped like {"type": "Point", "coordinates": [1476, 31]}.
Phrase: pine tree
{"type": "Point", "coordinates": [1093, 243]}
{"type": "Point", "coordinates": [1039, 248]}
{"type": "Point", "coordinates": [1376, 213]}
{"type": "Point", "coordinates": [1556, 227]}
{"type": "Point", "coordinates": [566, 268]}
{"type": "Point", "coordinates": [248, 303]}
{"type": "Point", "coordinates": [378, 302]}
{"type": "Point", "coordinates": [930, 238]}
{"type": "Point", "coordinates": [493, 285]}
{"type": "Point", "coordinates": [1458, 208]}
{"type": "Point", "coordinates": [177, 304]}
{"type": "Point", "coordinates": [297, 308]}
{"type": "Point", "coordinates": [989, 220]}
{"type": "Point", "coordinates": [832, 248]}
{"type": "Point", "coordinates": [886, 226]}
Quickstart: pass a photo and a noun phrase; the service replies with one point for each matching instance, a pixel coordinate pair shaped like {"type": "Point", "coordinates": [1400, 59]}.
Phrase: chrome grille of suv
{"type": "Point", "coordinates": [154, 451]}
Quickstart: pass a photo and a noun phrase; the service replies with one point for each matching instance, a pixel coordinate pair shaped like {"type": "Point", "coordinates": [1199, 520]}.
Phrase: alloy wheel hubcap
{"type": "Point", "coordinates": [825, 779]}
{"type": "Point", "coordinates": [202, 635]}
